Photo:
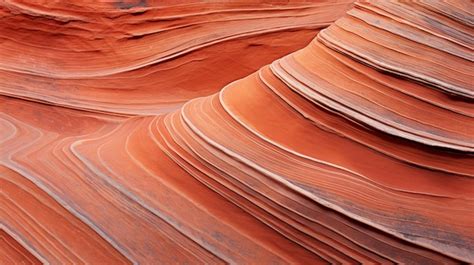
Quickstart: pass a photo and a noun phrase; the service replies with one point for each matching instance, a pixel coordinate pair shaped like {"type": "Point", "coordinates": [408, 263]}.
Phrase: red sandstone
{"type": "Point", "coordinates": [143, 132]}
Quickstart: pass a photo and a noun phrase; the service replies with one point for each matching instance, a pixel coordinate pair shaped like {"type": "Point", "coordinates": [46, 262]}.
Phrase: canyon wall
{"type": "Point", "coordinates": [137, 132]}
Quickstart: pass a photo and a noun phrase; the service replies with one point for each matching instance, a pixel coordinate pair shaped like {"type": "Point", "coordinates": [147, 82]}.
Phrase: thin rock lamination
{"type": "Point", "coordinates": [356, 149]}
{"type": "Point", "coordinates": [145, 58]}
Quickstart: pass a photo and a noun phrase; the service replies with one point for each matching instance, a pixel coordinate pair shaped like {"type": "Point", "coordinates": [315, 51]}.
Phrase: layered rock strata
{"type": "Point", "coordinates": [357, 148]}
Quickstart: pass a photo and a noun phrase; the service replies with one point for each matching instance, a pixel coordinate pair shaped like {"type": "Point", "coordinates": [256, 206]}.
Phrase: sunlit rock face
{"type": "Point", "coordinates": [129, 134]}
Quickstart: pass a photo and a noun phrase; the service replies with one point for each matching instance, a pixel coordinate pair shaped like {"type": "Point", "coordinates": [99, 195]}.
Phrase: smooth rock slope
{"type": "Point", "coordinates": [357, 148]}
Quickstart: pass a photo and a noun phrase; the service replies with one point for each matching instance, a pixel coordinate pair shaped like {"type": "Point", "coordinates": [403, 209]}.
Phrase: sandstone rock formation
{"type": "Point", "coordinates": [144, 59]}
{"type": "Point", "coordinates": [357, 148]}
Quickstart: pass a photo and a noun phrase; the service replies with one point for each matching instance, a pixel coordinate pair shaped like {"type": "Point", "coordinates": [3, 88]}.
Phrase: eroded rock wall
{"type": "Point", "coordinates": [357, 148]}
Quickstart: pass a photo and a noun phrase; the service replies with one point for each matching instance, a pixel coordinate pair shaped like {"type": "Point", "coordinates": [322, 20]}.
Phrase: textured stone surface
{"type": "Point", "coordinates": [124, 137]}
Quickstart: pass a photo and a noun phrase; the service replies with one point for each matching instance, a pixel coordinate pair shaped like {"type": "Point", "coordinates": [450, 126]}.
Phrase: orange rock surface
{"type": "Point", "coordinates": [144, 58]}
{"type": "Point", "coordinates": [142, 132]}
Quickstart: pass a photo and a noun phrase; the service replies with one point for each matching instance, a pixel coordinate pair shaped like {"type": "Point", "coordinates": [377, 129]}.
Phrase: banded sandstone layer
{"type": "Point", "coordinates": [356, 148]}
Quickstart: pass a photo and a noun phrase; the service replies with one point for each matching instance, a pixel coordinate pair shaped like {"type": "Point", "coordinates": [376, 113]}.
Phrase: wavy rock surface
{"type": "Point", "coordinates": [144, 58]}
{"type": "Point", "coordinates": [356, 148]}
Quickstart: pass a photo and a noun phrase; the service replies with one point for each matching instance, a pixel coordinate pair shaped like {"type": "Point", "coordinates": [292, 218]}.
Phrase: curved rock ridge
{"type": "Point", "coordinates": [357, 148]}
{"type": "Point", "coordinates": [14, 253]}
{"type": "Point", "coordinates": [147, 57]}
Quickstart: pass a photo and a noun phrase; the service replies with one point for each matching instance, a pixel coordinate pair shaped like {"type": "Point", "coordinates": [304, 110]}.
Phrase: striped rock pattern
{"type": "Point", "coordinates": [145, 58]}
{"type": "Point", "coordinates": [357, 148]}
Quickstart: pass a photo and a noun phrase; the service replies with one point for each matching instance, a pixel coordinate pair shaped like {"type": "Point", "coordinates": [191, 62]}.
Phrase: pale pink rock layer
{"type": "Point", "coordinates": [357, 148]}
